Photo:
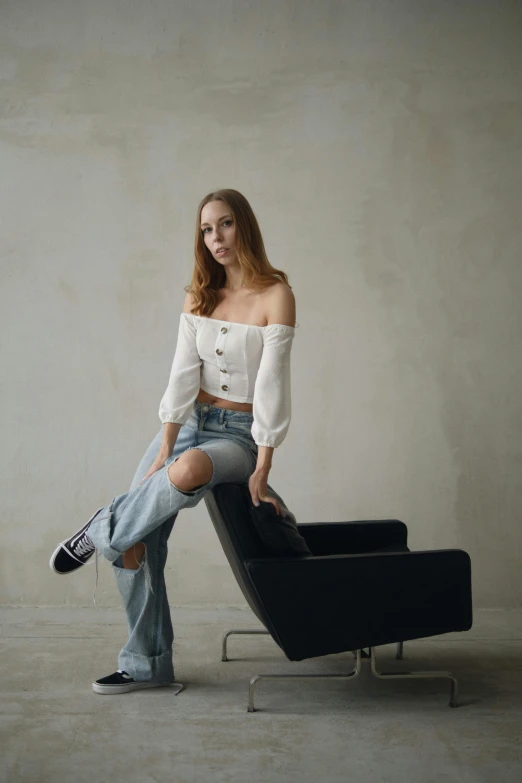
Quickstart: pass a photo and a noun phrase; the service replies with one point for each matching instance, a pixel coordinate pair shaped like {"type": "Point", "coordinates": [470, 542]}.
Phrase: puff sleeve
{"type": "Point", "coordinates": [185, 375]}
{"type": "Point", "coordinates": [272, 394]}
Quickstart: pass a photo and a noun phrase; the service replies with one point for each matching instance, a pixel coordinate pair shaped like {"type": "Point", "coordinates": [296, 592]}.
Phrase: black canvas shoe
{"type": "Point", "coordinates": [121, 682]}
{"type": "Point", "coordinates": [74, 551]}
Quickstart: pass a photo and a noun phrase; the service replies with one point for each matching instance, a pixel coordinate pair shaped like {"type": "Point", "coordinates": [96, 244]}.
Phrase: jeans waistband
{"type": "Point", "coordinates": [199, 406]}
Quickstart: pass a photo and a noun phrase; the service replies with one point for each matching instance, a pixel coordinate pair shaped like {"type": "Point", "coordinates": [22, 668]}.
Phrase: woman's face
{"type": "Point", "coordinates": [219, 231]}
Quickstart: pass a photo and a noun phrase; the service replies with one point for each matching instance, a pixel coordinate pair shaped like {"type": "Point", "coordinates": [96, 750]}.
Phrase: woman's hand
{"type": "Point", "coordinates": [158, 463]}
{"type": "Point", "coordinates": [257, 485]}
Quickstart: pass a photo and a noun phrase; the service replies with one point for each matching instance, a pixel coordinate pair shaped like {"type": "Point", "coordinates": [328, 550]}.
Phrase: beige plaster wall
{"type": "Point", "coordinates": [380, 146]}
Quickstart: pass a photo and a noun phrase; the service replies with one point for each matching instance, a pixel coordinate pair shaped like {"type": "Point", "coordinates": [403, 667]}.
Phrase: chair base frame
{"type": "Point", "coordinates": [359, 656]}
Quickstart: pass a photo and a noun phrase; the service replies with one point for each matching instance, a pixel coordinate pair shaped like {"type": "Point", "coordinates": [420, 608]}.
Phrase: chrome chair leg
{"type": "Point", "coordinates": [453, 702]}
{"type": "Point", "coordinates": [254, 680]}
{"type": "Point", "coordinates": [398, 654]}
{"type": "Point", "coordinates": [246, 632]}
{"type": "Point", "coordinates": [359, 655]}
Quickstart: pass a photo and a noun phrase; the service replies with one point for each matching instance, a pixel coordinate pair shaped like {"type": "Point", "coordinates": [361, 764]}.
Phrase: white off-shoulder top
{"type": "Point", "coordinates": [234, 361]}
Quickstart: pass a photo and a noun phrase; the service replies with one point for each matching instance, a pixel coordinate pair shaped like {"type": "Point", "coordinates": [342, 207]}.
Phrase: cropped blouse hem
{"type": "Point", "coordinates": [231, 398]}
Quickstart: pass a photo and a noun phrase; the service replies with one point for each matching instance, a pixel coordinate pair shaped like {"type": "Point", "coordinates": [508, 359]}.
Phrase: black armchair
{"type": "Point", "coordinates": [361, 588]}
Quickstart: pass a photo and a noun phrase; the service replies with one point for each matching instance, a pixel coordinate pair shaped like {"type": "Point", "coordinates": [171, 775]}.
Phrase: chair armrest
{"type": "Point", "coordinates": [331, 538]}
{"type": "Point", "coordinates": [324, 605]}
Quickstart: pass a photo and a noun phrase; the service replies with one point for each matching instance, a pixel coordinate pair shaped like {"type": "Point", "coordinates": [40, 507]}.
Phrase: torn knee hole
{"type": "Point", "coordinates": [132, 557]}
{"type": "Point", "coordinates": [188, 473]}
{"type": "Point", "coordinates": [191, 491]}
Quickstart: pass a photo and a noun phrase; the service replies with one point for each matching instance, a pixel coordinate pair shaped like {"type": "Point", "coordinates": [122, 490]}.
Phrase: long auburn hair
{"type": "Point", "coordinates": [209, 276]}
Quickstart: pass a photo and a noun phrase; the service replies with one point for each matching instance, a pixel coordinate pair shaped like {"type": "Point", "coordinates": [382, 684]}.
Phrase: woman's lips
{"type": "Point", "coordinates": [221, 252]}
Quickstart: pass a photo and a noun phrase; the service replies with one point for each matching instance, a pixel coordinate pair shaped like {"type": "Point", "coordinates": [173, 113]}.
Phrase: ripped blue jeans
{"type": "Point", "coordinates": [147, 514]}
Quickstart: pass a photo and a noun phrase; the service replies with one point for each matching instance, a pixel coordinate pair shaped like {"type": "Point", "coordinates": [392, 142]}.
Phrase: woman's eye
{"type": "Point", "coordinates": [224, 223]}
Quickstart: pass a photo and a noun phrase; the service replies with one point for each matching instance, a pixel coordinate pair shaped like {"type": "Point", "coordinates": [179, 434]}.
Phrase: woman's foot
{"type": "Point", "coordinates": [121, 682]}
{"type": "Point", "coordinates": [74, 551]}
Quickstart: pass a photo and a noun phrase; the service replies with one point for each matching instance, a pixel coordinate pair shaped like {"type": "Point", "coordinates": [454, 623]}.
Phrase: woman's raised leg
{"type": "Point", "coordinates": [132, 516]}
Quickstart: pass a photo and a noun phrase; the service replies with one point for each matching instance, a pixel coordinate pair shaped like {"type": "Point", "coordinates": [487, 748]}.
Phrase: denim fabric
{"type": "Point", "coordinates": [147, 513]}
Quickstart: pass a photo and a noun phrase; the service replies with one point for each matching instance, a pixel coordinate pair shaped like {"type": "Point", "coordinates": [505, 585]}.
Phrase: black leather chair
{"type": "Point", "coordinates": [362, 587]}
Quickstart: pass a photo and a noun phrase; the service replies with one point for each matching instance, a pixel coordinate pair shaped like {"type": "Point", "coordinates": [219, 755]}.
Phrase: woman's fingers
{"type": "Point", "coordinates": [158, 463]}
{"type": "Point", "coordinates": [258, 491]}
{"type": "Point", "coordinates": [151, 472]}
{"type": "Point", "coordinates": [273, 501]}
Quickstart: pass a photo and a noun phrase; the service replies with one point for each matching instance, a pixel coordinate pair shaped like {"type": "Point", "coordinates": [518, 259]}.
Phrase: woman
{"type": "Point", "coordinates": [225, 409]}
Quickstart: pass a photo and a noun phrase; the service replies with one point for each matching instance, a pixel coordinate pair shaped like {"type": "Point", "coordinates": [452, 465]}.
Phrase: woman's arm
{"type": "Point", "coordinates": [184, 383]}
{"type": "Point", "coordinates": [281, 309]}
{"type": "Point", "coordinates": [264, 457]}
{"type": "Point", "coordinates": [182, 389]}
{"type": "Point", "coordinates": [170, 435]}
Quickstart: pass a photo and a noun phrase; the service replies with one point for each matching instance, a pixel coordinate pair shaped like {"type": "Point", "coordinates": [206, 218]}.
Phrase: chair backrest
{"type": "Point", "coordinates": [226, 504]}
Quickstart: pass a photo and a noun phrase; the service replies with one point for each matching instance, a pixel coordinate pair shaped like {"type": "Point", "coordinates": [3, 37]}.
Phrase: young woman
{"type": "Point", "coordinates": [226, 408]}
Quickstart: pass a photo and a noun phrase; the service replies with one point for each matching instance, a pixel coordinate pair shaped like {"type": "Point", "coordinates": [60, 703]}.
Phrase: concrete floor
{"type": "Point", "coordinates": [56, 729]}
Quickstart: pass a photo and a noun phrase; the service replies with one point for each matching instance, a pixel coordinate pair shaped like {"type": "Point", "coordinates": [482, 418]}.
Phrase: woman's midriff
{"type": "Point", "coordinates": [218, 402]}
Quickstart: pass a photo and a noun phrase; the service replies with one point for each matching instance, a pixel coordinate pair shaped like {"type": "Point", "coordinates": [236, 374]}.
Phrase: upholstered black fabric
{"type": "Point", "coordinates": [325, 605]}
{"type": "Point", "coordinates": [352, 538]}
{"type": "Point", "coordinates": [362, 587]}
{"type": "Point", "coordinates": [239, 540]}
{"type": "Point", "coordinates": [278, 535]}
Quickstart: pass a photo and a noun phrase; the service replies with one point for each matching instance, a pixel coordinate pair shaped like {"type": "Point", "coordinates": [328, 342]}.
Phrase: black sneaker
{"type": "Point", "coordinates": [121, 682]}
{"type": "Point", "coordinates": [74, 551]}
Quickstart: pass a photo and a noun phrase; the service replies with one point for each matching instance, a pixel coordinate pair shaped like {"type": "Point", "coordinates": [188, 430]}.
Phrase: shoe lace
{"type": "Point", "coordinates": [83, 546]}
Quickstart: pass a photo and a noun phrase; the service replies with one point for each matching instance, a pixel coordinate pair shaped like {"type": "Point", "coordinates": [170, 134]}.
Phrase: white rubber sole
{"type": "Point", "coordinates": [66, 573]}
{"type": "Point", "coordinates": [112, 690]}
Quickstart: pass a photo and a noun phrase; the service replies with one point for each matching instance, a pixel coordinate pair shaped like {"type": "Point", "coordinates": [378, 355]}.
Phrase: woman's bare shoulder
{"type": "Point", "coordinates": [280, 305]}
